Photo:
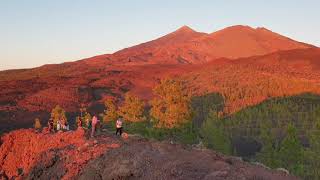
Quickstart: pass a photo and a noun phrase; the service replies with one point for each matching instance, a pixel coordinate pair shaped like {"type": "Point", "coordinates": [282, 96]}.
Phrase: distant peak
{"type": "Point", "coordinates": [182, 34]}
{"type": "Point", "coordinates": [185, 29]}
{"type": "Point", "coordinates": [263, 29]}
{"type": "Point", "coordinates": [235, 28]}
{"type": "Point", "coordinates": [246, 27]}
{"type": "Point", "coordinates": [242, 27]}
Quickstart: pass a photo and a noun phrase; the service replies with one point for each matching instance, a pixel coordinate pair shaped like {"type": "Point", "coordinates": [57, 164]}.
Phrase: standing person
{"type": "Point", "coordinates": [66, 126]}
{"type": "Point", "coordinates": [98, 126]}
{"type": "Point", "coordinates": [88, 123]}
{"type": "Point", "coordinates": [62, 125]}
{"type": "Point", "coordinates": [50, 125]}
{"type": "Point", "coordinates": [79, 122]}
{"type": "Point", "coordinates": [119, 126]}
{"type": "Point", "coordinates": [93, 125]}
{"type": "Point", "coordinates": [59, 125]}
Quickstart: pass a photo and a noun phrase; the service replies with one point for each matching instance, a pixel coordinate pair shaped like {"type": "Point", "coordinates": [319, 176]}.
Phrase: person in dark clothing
{"type": "Point", "coordinates": [50, 125]}
{"type": "Point", "coordinates": [119, 126]}
{"type": "Point", "coordinates": [79, 122]}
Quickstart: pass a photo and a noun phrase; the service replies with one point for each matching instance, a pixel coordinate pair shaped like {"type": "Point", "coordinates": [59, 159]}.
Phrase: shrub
{"type": "Point", "coordinates": [58, 113]}
{"type": "Point", "coordinates": [87, 120]}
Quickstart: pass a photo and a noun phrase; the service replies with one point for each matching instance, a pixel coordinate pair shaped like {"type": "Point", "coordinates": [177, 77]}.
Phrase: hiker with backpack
{"type": "Point", "coordinates": [119, 126]}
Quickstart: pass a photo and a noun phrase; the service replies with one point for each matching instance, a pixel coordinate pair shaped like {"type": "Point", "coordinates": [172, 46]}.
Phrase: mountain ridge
{"type": "Point", "coordinates": [196, 47]}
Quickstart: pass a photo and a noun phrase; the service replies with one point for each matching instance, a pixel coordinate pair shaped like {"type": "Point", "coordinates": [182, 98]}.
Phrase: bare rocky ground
{"type": "Point", "coordinates": [26, 154]}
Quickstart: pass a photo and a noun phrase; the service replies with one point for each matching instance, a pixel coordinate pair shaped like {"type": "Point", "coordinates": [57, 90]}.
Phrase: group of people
{"type": "Point", "coordinates": [93, 124]}
{"type": "Point", "coordinates": [62, 124]}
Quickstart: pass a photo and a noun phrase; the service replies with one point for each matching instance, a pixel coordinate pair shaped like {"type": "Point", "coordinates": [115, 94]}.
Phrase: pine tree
{"type": "Point", "coordinates": [58, 113]}
{"type": "Point", "coordinates": [87, 119]}
{"type": "Point", "coordinates": [83, 110]}
{"type": "Point", "coordinates": [268, 153]}
{"type": "Point", "coordinates": [171, 104]}
{"type": "Point", "coordinates": [37, 124]}
{"type": "Point", "coordinates": [291, 151]}
{"type": "Point", "coordinates": [202, 105]}
{"type": "Point", "coordinates": [214, 134]}
{"type": "Point", "coordinates": [132, 109]}
{"type": "Point", "coordinates": [314, 135]}
{"type": "Point", "coordinates": [312, 154]}
{"type": "Point", "coordinates": [110, 113]}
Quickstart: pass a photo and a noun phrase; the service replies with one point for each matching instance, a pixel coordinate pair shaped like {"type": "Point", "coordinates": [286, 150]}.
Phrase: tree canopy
{"type": "Point", "coordinates": [170, 106]}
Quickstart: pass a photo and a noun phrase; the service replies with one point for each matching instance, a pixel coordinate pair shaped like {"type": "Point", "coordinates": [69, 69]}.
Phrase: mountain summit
{"type": "Point", "coordinates": [186, 45]}
{"type": "Point", "coordinates": [185, 28]}
{"type": "Point", "coordinates": [244, 41]}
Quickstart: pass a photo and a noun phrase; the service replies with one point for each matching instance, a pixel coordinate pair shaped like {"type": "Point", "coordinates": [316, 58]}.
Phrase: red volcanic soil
{"type": "Point", "coordinates": [25, 154]}
{"type": "Point", "coordinates": [33, 154]}
{"type": "Point", "coordinates": [244, 64]}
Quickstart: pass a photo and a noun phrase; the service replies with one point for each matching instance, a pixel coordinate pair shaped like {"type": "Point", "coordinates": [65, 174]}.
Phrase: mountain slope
{"type": "Point", "coordinates": [248, 81]}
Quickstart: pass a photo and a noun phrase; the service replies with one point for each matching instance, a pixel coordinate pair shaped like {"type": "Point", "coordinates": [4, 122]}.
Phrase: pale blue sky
{"type": "Point", "coordinates": [37, 32]}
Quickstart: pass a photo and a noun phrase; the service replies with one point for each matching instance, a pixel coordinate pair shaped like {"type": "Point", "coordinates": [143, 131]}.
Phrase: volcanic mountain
{"type": "Point", "coordinates": [246, 65]}
{"type": "Point", "coordinates": [188, 46]}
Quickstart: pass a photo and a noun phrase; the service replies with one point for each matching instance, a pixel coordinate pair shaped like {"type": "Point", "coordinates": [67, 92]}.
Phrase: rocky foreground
{"type": "Point", "coordinates": [26, 154]}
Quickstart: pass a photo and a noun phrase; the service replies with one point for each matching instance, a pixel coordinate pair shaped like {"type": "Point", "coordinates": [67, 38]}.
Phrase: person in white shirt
{"type": "Point", "coordinates": [58, 125]}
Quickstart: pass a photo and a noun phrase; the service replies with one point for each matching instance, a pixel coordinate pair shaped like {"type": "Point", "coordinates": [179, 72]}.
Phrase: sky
{"type": "Point", "coordinates": [37, 32]}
